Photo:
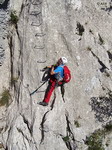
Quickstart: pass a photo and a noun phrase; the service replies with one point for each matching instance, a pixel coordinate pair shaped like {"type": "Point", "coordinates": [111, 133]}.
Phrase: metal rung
{"type": "Point", "coordinates": [39, 47]}
{"type": "Point", "coordinates": [40, 34]}
{"type": "Point", "coordinates": [36, 2]}
{"type": "Point", "coordinates": [36, 24]}
{"type": "Point", "coordinates": [35, 13]}
{"type": "Point", "coordinates": [41, 61]}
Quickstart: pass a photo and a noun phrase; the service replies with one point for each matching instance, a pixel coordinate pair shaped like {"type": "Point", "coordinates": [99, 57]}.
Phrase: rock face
{"type": "Point", "coordinates": [36, 33]}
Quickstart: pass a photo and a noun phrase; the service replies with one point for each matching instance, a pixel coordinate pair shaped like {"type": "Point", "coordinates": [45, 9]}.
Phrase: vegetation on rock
{"type": "Point", "coordinates": [95, 140]}
{"type": "Point", "coordinates": [5, 96]}
{"type": "Point", "coordinates": [13, 17]}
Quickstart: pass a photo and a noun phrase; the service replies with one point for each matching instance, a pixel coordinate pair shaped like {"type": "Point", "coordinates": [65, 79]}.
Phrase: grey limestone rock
{"type": "Point", "coordinates": [45, 30]}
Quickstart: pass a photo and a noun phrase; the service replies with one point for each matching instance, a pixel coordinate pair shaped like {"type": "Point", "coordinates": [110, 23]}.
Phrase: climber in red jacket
{"type": "Point", "coordinates": [56, 76]}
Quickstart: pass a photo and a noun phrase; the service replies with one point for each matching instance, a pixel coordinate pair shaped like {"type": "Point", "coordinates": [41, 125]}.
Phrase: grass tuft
{"type": "Point", "coordinates": [14, 80]}
{"type": "Point", "coordinates": [13, 17]}
{"type": "Point", "coordinates": [76, 123]}
{"type": "Point", "coordinates": [66, 138]}
{"type": "Point", "coordinates": [5, 96]}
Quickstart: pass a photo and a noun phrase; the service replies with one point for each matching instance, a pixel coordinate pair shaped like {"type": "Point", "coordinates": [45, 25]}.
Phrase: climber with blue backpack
{"type": "Point", "coordinates": [59, 75]}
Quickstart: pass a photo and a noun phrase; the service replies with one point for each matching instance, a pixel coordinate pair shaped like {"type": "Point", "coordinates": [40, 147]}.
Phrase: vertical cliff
{"type": "Point", "coordinates": [36, 33]}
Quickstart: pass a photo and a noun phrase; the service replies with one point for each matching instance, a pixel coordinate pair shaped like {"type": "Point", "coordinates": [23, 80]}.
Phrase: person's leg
{"type": "Point", "coordinates": [49, 91]}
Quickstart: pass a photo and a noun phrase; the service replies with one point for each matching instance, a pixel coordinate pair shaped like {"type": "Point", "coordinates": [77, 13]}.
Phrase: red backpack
{"type": "Point", "coordinates": [67, 74]}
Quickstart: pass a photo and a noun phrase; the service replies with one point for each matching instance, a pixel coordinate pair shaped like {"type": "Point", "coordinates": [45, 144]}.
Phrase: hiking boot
{"type": "Point", "coordinates": [43, 103]}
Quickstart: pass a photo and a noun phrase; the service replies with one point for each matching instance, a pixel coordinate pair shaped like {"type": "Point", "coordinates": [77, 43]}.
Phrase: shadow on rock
{"type": "Point", "coordinates": [102, 106]}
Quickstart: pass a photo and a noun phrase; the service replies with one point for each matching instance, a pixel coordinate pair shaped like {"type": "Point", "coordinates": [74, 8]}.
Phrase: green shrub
{"type": "Point", "coordinates": [14, 80]}
{"type": "Point", "coordinates": [94, 141]}
{"type": "Point", "coordinates": [77, 124]}
{"type": "Point", "coordinates": [66, 138]}
{"type": "Point", "coordinates": [13, 17]}
{"type": "Point", "coordinates": [108, 127]}
{"type": "Point", "coordinates": [5, 96]}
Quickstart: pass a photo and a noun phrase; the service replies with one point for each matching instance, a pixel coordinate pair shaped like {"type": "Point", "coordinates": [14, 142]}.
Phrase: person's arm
{"type": "Point", "coordinates": [52, 71]}
{"type": "Point", "coordinates": [49, 66]}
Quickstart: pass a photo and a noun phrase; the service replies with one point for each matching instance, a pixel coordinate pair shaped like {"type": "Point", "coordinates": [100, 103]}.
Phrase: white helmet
{"type": "Point", "coordinates": [64, 60]}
